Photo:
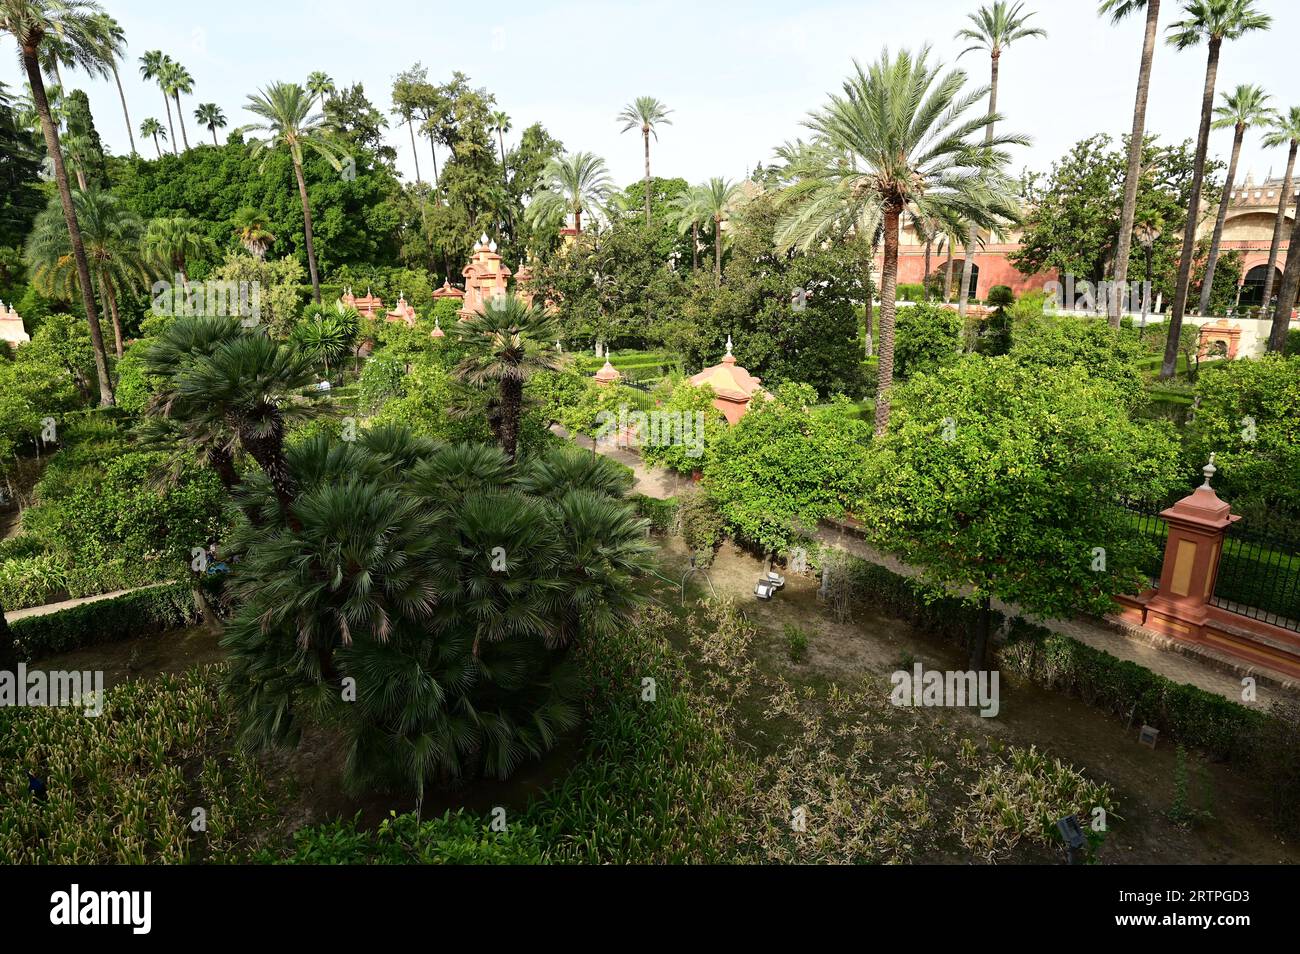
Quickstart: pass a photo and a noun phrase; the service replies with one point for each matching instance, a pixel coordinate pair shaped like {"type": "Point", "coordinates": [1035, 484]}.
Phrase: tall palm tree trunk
{"type": "Point", "coordinates": [888, 286]}
{"type": "Point", "coordinates": [410, 127]}
{"type": "Point", "coordinates": [157, 148]}
{"type": "Point", "coordinates": [1134, 171]}
{"type": "Point", "coordinates": [925, 274]}
{"type": "Point", "coordinates": [717, 248]}
{"type": "Point", "coordinates": [1279, 223]}
{"type": "Point", "coordinates": [1286, 294]}
{"type": "Point", "coordinates": [125, 113]}
{"type": "Point", "coordinates": [70, 217]}
{"type": "Point", "coordinates": [214, 136]}
{"type": "Point", "coordinates": [1170, 364]}
{"type": "Point", "coordinates": [180, 118]}
{"type": "Point", "coordinates": [695, 246]}
{"type": "Point", "coordinates": [967, 268]}
{"type": "Point", "coordinates": [947, 275]}
{"type": "Point", "coordinates": [111, 297]}
{"type": "Point", "coordinates": [1207, 285]}
{"type": "Point", "coordinates": [306, 222]}
{"type": "Point", "coordinates": [171, 126]}
{"type": "Point", "coordinates": [645, 135]}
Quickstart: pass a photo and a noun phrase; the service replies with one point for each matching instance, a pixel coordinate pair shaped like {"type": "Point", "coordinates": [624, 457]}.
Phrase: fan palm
{"type": "Point", "coordinates": [175, 80]}
{"type": "Point", "coordinates": [156, 65]}
{"type": "Point", "coordinates": [210, 115]}
{"type": "Point", "coordinates": [506, 344]}
{"type": "Point", "coordinates": [112, 46]}
{"type": "Point", "coordinates": [111, 236]}
{"type": "Point", "coordinates": [897, 140]}
{"type": "Point", "coordinates": [1211, 22]}
{"type": "Point", "coordinates": [252, 385]}
{"type": "Point", "coordinates": [252, 233]}
{"type": "Point", "coordinates": [994, 28]}
{"type": "Point", "coordinates": [289, 124]}
{"type": "Point", "coordinates": [1118, 10]}
{"type": "Point", "coordinates": [1285, 131]}
{"type": "Point", "coordinates": [166, 425]}
{"type": "Point", "coordinates": [323, 335]}
{"type": "Point", "coordinates": [1243, 108]}
{"type": "Point", "coordinates": [646, 114]}
{"type": "Point", "coordinates": [172, 241]}
{"type": "Point", "coordinates": [571, 184]}
{"type": "Point", "coordinates": [151, 127]}
{"type": "Point", "coordinates": [32, 23]}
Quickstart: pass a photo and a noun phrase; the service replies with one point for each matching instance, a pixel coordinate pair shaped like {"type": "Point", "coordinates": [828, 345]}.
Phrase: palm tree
{"type": "Point", "coordinates": [172, 241]}
{"type": "Point", "coordinates": [175, 79]}
{"type": "Point", "coordinates": [253, 386]}
{"type": "Point", "coordinates": [290, 125]}
{"type": "Point", "coordinates": [690, 211]}
{"type": "Point", "coordinates": [719, 198]}
{"type": "Point", "coordinates": [319, 84]}
{"type": "Point", "coordinates": [250, 229]}
{"type": "Point", "coordinates": [506, 343]}
{"type": "Point", "coordinates": [897, 141]}
{"type": "Point", "coordinates": [1211, 21]}
{"type": "Point", "coordinates": [501, 123]}
{"type": "Point", "coordinates": [112, 237]}
{"type": "Point", "coordinates": [154, 66]}
{"type": "Point", "coordinates": [167, 424]}
{"type": "Point", "coordinates": [1244, 107]}
{"type": "Point", "coordinates": [994, 28]}
{"type": "Point", "coordinates": [647, 114]}
{"type": "Point", "coordinates": [1118, 10]}
{"type": "Point", "coordinates": [1285, 131]}
{"type": "Point", "coordinates": [151, 127]}
{"type": "Point", "coordinates": [112, 45]}
{"type": "Point", "coordinates": [210, 115]}
{"type": "Point", "coordinates": [571, 184]}
{"type": "Point", "coordinates": [31, 23]}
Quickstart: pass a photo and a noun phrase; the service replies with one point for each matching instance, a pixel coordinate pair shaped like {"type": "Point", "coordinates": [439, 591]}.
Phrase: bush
{"type": "Point", "coordinates": [796, 643]}
{"type": "Point", "coordinates": [142, 613]}
{"type": "Point", "coordinates": [702, 525]}
{"type": "Point", "coordinates": [927, 336]}
{"type": "Point", "coordinates": [910, 292]}
{"type": "Point", "coordinates": [660, 513]}
{"type": "Point", "coordinates": [457, 838]}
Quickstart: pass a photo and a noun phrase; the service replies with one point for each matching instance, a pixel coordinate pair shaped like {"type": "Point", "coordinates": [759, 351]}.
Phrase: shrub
{"type": "Point", "coordinates": [701, 524]}
{"type": "Point", "coordinates": [662, 514]}
{"type": "Point", "coordinates": [457, 838]}
{"type": "Point", "coordinates": [142, 613]}
{"type": "Point", "coordinates": [926, 337]}
{"type": "Point", "coordinates": [910, 292]}
{"type": "Point", "coordinates": [796, 642]}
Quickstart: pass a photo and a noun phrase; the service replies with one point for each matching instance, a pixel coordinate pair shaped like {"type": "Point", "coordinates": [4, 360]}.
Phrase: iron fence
{"type": "Point", "coordinates": [1259, 576]}
{"type": "Point", "coordinates": [1149, 527]}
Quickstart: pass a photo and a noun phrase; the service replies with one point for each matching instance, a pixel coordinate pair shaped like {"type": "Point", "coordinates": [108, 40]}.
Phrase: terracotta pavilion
{"type": "Point", "coordinates": [733, 386]}
{"type": "Point", "coordinates": [367, 307]}
{"type": "Point", "coordinates": [11, 326]}
{"type": "Point", "coordinates": [485, 277]}
{"type": "Point", "coordinates": [403, 312]}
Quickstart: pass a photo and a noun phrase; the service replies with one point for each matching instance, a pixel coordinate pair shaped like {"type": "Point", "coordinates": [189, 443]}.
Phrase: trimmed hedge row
{"type": "Point", "coordinates": [1201, 719]}
{"type": "Point", "coordinates": [660, 513]}
{"type": "Point", "coordinates": [142, 613]}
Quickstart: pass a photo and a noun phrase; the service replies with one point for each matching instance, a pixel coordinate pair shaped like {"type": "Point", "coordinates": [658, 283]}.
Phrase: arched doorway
{"type": "Point", "coordinates": [1252, 286]}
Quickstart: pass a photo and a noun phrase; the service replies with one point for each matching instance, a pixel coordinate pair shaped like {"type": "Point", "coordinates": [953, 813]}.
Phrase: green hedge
{"type": "Point", "coordinates": [660, 513]}
{"type": "Point", "coordinates": [142, 613]}
{"type": "Point", "coordinates": [1183, 712]}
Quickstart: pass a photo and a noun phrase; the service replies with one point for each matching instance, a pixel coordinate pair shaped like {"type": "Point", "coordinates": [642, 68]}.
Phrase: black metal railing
{"type": "Point", "coordinates": [1150, 528]}
{"type": "Point", "coordinates": [1259, 576]}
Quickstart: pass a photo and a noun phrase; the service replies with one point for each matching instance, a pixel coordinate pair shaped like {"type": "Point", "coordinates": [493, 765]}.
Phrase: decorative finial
{"type": "Point", "coordinates": [492, 246]}
{"type": "Point", "coordinates": [558, 348]}
{"type": "Point", "coordinates": [483, 240]}
{"type": "Point", "coordinates": [1209, 470]}
{"type": "Point", "coordinates": [728, 344]}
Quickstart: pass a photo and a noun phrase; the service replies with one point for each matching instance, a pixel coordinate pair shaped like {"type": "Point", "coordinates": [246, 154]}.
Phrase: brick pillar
{"type": "Point", "coordinates": [1197, 525]}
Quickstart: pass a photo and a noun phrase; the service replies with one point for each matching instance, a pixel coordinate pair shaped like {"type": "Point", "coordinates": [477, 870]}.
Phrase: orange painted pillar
{"type": "Point", "coordinates": [1197, 525]}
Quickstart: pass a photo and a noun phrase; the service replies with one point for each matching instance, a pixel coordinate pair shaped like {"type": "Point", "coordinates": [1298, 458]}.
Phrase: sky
{"type": "Point", "coordinates": [739, 76]}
